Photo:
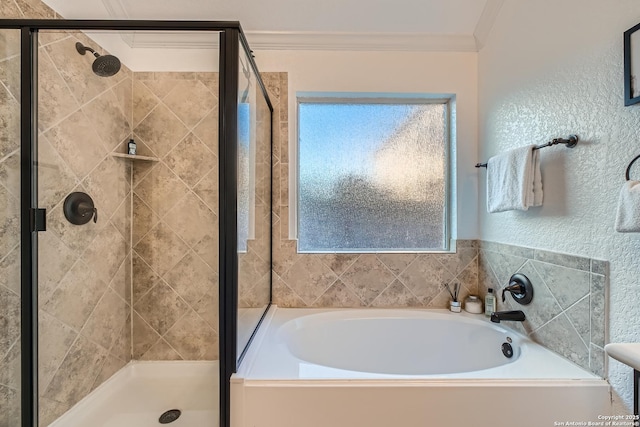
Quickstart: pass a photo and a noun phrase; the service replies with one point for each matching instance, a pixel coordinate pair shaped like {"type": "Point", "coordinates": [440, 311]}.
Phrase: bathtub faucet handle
{"type": "Point", "coordinates": [516, 288]}
{"type": "Point", "coordinates": [521, 289]}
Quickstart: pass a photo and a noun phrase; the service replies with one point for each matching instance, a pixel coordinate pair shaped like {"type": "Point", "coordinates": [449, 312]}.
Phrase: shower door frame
{"type": "Point", "coordinates": [32, 219]}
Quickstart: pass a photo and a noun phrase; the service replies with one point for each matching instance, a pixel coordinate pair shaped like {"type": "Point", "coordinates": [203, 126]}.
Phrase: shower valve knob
{"type": "Point", "coordinates": [79, 209]}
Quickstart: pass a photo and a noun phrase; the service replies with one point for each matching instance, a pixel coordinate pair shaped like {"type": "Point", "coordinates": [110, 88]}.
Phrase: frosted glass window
{"type": "Point", "coordinates": [372, 176]}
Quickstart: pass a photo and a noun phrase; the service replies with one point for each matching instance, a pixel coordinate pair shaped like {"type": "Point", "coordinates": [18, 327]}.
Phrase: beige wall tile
{"type": "Point", "coordinates": [107, 320]}
{"type": "Point", "coordinates": [10, 129]}
{"type": "Point", "coordinates": [144, 277]}
{"type": "Point", "coordinates": [424, 277]}
{"type": "Point", "coordinates": [105, 254]}
{"type": "Point", "coordinates": [161, 248]}
{"type": "Point", "coordinates": [207, 130]}
{"type": "Point", "coordinates": [35, 9]}
{"type": "Point", "coordinates": [161, 350]}
{"type": "Point", "coordinates": [110, 366]}
{"type": "Point", "coordinates": [144, 336]}
{"type": "Point", "coordinates": [207, 306]}
{"type": "Point", "coordinates": [143, 101]}
{"type": "Point", "coordinates": [10, 399]}
{"type": "Point", "coordinates": [10, 270]}
{"type": "Point", "coordinates": [161, 130]}
{"type": "Point", "coordinates": [191, 160]}
{"type": "Point", "coordinates": [10, 173]}
{"type": "Point", "coordinates": [339, 295]}
{"type": "Point", "coordinates": [121, 282]}
{"type": "Point", "coordinates": [193, 338]}
{"type": "Point", "coordinates": [108, 119]}
{"type": "Point", "coordinates": [121, 218]}
{"type": "Point", "coordinates": [9, 222]}
{"type": "Point", "coordinates": [397, 262]}
{"type": "Point", "coordinates": [396, 295]}
{"type": "Point", "coordinates": [10, 373]}
{"type": "Point", "coordinates": [77, 143]}
{"type": "Point", "coordinates": [309, 278]}
{"type": "Point", "coordinates": [161, 189]}
{"type": "Point", "coordinates": [191, 219]}
{"type": "Point", "coordinates": [368, 277]}
{"type": "Point", "coordinates": [76, 296]}
{"type": "Point", "coordinates": [55, 101]}
{"type": "Point", "coordinates": [121, 348]}
{"type": "Point", "coordinates": [457, 262]}
{"type": "Point", "coordinates": [161, 307]}
{"type": "Point", "coordinates": [191, 278]}
{"type": "Point", "coordinates": [284, 296]}
{"type": "Point", "coordinates": [8, 9]}
{"type": "Point", "coordinates": [76, 71]}
{"type": "Point", "coordinates": [257, 295]}
{"type": "Point", "coordinates": [144, 219]}
{"type": "Point", "coordinates": [54, 340]}
{"type": "Point", "coordinates": [190, 100]}
{"type": "Point", "coordinates": [10, 69]}
{"type": "Point", "coordinates": [208, 247]}
{"type": "Point", "coordinates": [77, 373]}
{"type": "Point", "coordinates": [50, 410]}
{"type": "Point", "coordinates": [9, 320]}
{"type": "Point", "coordinates": [55, 178]}
{"type": "Point", "coordinates": [207, 188]}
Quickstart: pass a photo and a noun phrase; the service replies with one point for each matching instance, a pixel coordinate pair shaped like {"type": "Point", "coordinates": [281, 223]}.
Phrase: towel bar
{"type": "Point", "coordinates": [570, 142]}
{"type": "Point", "coordinates": [626, 174]}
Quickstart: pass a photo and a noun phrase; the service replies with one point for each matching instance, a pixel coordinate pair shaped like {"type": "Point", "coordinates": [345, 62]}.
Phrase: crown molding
{"type": "Point", "coordinates": [298, 40]}
{"type": "Point", "coordinates": [302, 40]}
{"type": "Point", "coordinates": [486, 21]}
{"type": "Point", "coordinates": [267, 40]}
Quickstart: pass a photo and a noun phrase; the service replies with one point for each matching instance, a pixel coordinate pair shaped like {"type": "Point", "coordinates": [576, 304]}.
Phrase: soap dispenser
{"type": "Point", "coordinates": [489, 302]}
{"type": "Point", "coordinates": [132, 147]}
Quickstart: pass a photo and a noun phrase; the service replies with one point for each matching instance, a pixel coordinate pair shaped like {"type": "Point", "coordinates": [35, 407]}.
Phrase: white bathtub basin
{"type": "Point", "coordinates": [409, 368]}
{"type": "Point", "coordinates": [397, 342]}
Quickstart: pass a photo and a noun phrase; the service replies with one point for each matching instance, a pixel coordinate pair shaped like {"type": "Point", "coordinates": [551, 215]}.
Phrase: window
{"type": "Point", "coordinates": [372, 174]}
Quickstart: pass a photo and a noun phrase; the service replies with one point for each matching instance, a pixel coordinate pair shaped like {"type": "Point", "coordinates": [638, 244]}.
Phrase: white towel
{"type": "Point", "coordinates": [628, 215]}
{"type": "Point", "coordinates": [514, 180]}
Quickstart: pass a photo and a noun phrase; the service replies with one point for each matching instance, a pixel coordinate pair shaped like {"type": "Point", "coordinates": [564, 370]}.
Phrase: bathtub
{"type": "Point", "coordinates": [370, 367]}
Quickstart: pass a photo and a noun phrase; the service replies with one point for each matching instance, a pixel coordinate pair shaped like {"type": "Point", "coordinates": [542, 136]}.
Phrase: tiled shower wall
{"type": "Point", "coordinates": [9, 231]}
{"type": "Point", "coordinates": [84, 277]}
{"type": "Point", "coordinates": [175, 223]}
{"type": "Point", "coordinates": [567, 315]}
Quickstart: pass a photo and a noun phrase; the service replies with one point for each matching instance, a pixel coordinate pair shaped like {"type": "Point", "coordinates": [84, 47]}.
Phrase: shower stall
{"type": "Point", "coordinates": [135, 237]}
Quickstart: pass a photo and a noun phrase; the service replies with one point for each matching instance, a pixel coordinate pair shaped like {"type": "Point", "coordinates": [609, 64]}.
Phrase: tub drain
{"type": "Point", "coordinates": [169, 416]}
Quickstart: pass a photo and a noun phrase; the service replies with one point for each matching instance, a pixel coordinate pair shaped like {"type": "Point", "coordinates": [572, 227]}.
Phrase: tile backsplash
{"type": "Point", "coordinates": [568, 313]}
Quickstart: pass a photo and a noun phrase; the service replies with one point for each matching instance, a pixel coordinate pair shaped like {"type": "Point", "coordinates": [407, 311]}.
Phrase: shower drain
{"type": "Point", "coordinates": [169, 416]}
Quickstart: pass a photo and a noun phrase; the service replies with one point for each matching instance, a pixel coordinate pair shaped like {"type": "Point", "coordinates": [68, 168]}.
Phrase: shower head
{"type": "Point", "coordinates": [103, 65]}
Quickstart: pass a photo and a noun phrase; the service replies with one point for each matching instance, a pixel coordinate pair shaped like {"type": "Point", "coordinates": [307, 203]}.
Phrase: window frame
{"type": "Point", "coordinates": [448, 100]}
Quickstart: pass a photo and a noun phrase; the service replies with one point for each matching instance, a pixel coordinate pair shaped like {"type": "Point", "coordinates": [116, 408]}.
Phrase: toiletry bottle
{"type": "Point", "coordinates": [489, 303]}
{"type": "Point", "coordinates": [132, 147]}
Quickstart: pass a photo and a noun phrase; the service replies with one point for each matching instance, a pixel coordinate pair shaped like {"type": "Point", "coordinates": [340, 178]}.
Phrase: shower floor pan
{"type": "Point", "coordinates": [138, 394]}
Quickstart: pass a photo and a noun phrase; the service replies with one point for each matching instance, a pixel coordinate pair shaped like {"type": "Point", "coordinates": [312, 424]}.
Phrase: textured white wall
{"type": "Point", "coordinates": [402, 72]}
{"type": "Point", "coordinates": [551, 68]}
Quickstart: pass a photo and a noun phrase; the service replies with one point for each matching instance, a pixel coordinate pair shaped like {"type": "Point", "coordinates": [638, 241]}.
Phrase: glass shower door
{"type": "Point", "coordinates": [10, 322]}
{"type": "Point", "coordinates": [84, 255]}
{"type": "Point", "coordinates": [254, 202]}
